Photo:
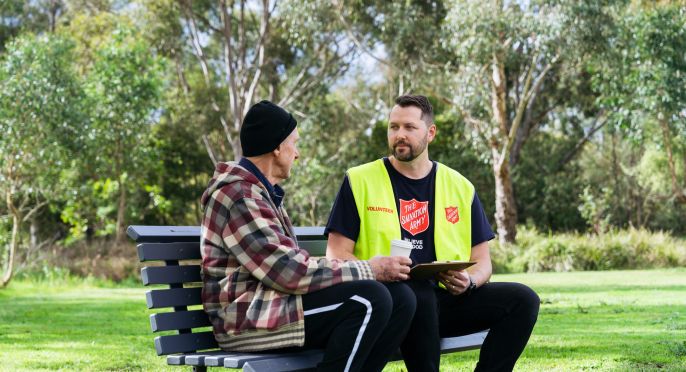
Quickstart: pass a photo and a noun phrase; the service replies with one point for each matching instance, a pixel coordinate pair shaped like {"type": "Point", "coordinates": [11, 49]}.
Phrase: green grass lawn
{"type": "Point", "coordinates": [615, 320]}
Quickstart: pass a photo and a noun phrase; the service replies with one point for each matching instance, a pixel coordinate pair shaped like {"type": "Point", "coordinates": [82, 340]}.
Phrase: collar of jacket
{"type": "Point", "coordinates": [276, 193]}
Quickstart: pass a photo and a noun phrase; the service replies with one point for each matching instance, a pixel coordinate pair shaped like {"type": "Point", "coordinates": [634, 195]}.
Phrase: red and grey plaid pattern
{"type": "Point", "coordinates": [253, 270]}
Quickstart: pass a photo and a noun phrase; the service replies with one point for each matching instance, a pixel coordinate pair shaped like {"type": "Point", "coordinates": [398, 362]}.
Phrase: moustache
{"type": "Point", "coordinates": [399, 143]}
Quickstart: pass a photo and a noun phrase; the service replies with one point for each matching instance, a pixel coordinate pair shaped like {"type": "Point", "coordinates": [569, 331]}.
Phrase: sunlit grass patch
{"type": "Point", "coordinates": [607, 321]}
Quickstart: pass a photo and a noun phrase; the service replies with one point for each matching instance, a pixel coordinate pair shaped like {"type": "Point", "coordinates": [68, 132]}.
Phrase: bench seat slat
{"type": "Point", "coordinates": [169, 251]}
{"type": "Point", "coordinates": [170, 274]}
{"type": "Point", "coordinates": [184, 343]}
{"type": "Point", "coordinates": [200, 359]}
{"type": "Point", "coordinates": [292, 362]}
{"type": "Point", "coordinates": [179, 320]}
{"type": "Point", "coordinates": [463, 343]}
{"type": "Point", "coordinates": [239, 360]}
{"type": "Point", "coordinates": [177, 359]}
{"type": "Point", "coordinates": [159, 298]}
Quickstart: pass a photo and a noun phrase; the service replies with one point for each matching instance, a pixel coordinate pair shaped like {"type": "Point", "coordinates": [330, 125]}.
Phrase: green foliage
{"type": "Point", "coordinates": [123, 82]}
{"type": "Point", "coordinates": [628, 185]}
{"type": "Point", "coordinates": [643, 79]}
{"type": "Point", "coordinates": [548, 190]}
{"type": "Point", "coordinates": [614, 250]}
{"type": "Point", "coordinates": [595, 209]}
{"type": "Point", "coordinates": [42, 107]}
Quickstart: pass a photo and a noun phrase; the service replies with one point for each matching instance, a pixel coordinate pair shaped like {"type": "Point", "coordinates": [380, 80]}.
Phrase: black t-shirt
{"type": "Point", "coordinates": [414, 200]}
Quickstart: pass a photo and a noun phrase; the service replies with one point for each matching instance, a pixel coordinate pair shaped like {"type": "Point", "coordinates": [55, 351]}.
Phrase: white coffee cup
{"type": "Point", "coordinates": [401, 248]}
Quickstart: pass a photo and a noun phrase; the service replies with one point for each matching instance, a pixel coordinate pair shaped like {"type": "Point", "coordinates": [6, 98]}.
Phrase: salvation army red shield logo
{"type": "Point", "coordinates": [451, 215]}
{"type": "Point", "coordinates": [414, 216]}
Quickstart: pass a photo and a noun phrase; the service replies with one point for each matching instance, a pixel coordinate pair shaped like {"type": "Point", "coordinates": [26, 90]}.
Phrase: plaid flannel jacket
{"type": "Point", "coordinates": [253, 271]}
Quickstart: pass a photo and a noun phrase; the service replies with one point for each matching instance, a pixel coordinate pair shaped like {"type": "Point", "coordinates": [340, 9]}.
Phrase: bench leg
{"type": "Point", "coordinates": [199, 369]}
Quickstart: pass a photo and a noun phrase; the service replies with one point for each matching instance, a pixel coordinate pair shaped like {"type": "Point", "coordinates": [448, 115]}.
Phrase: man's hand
{"type": "Point", "coordinates": [390, 269]}
{"type": "Point", "coordinates": [456, 282]}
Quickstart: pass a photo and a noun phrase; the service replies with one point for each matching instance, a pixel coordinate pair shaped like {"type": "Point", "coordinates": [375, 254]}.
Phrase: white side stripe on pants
{"type": "Point", "coordinates": [360, 333]}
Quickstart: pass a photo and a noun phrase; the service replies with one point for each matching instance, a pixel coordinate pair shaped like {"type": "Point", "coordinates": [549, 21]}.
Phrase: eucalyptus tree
{"type": "Point", "coordinates": [229, 54]}
{"type": "Point", "coordinates": [42, 107]}
{"type": "Point", "coordinates": [642, 83]}
{"type": "Point", "coordinates": [124, 82]}
{"type": "Point", "coordinates": [512, 59]}
{"type": "Point", "coordinates": [654, 50]}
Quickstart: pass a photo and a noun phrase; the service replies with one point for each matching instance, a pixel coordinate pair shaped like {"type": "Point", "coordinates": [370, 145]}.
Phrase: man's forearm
{"type": "Point", "coordinates": [340, 247]}
{"type": "Point", "coordinates": [341, 254]}
{"type": "Point", "coordinates": [482, 270]}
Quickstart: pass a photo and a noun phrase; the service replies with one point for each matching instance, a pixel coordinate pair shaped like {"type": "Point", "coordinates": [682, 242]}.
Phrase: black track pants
{"type": "Point", "coordinates": [359, 324]}
{"type": "Point", "coordinates": [509, 310]}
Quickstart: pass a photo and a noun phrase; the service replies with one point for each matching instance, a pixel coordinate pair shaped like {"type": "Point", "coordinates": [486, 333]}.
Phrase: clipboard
{"type": "Point", "coordinates": [427, 270]}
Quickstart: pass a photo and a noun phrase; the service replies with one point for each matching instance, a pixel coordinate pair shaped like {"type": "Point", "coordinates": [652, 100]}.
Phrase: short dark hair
{"type": "Point", "coordinates": [420, 102]}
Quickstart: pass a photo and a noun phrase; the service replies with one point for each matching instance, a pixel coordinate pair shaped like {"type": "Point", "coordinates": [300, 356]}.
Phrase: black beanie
{"type": "Point", "coordinates": [265, 126]}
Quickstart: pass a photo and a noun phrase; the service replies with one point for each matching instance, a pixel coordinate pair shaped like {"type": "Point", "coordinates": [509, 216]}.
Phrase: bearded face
{"type": "Point", "coordinates": [408, 134]}
{"type": "Point", "coordinates": [404, 150]}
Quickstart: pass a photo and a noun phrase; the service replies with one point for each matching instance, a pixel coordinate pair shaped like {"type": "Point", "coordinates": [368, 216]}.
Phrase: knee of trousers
{"type": "Point", "coordinates": [404, 300]}
{"type": "Point", "coordinates": [378, 297]}
{"type": "Point", "coordinates": [528, 300]}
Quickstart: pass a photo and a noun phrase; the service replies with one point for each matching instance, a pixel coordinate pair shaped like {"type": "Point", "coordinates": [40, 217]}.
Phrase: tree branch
{"type": "Point", "coordinates": [195, 40]}
{"type": "Point", "coordinates": [33, 210]}
{"type": "Point", "coordinates": [303, 84]}
{"type": "Point", "coordinates": [228, 67]}
{"type": "Point", "coordinates": [600, 122]}
{"type": "Point", "coordinates": [208, 147]}
{"type": "Point", "coordinates": [528, 94]}
{"type": "Point", "coordinates": [355, 40]}
{"type": "Point", "coordinates": [264, 29]}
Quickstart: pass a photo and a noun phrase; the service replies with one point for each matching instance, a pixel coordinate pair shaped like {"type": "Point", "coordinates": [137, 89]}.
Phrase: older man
{"type": "Point", "coordinates": [262, 292]}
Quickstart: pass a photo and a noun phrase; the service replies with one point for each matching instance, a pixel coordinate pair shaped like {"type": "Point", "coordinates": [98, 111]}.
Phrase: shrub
{"type": "Point", "coordinates": [616, 249]}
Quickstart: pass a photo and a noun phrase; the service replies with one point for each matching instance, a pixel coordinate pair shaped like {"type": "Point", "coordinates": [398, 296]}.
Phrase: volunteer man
{"type": "Point", "coordinates": [262, 292]}
{"type": "Point", "coordinates": [408, 196]}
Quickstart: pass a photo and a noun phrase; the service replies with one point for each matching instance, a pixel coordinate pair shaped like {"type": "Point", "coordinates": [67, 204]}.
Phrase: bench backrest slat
{"type": "Point", "coordinates": [169, 251]}
{"type": "Point", "coordinates": [174, 234]}
{"type": "Point", "coordinates": [179, 320]}
{"type": "Point", "coordinates": [314, 247]}
{"type": "Point", "coordinates": [170, 274]}
{"type": "Point", "coordinates": [164, 234]}
{"type": "Point", "coordinates": [160, 298]}
{"type": "Point", "coordinates": [185, 343]}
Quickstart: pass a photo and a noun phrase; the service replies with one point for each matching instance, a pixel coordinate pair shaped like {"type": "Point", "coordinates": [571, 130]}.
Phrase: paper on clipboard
{"type": "Point", "coordinates": [427, 270]}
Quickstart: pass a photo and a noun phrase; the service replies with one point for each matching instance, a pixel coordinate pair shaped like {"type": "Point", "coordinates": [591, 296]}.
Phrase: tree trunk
{"type": "Point", "coordinates": [666, 137]}
{"type": "Point", "coordinates": [236, 147]}
{"type": "Point", "coordinates": [505, 208]}
{"type": "Point", "coordinates": [33, 233]}
{"type": "Point", "coordinates": [121, 211]}
{"type": "Point", "coordinates": [14, 242]}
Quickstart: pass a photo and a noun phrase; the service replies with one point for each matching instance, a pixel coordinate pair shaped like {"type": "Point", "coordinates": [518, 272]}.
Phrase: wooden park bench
{"type": "Point", "coordinates": [188, 339]}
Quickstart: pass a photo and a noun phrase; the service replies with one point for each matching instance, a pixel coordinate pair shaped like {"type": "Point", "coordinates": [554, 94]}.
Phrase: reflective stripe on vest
{"type": "Point", "coordinates": [379, 224]}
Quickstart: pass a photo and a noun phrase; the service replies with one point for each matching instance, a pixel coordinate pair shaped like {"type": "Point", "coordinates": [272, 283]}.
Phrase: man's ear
{"type": "Point", "coordinates": [277, 151]}
{"type": "Point", "coordinates": [432, 132]}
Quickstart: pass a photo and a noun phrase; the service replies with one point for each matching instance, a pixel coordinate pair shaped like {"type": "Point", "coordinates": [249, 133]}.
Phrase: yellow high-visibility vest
{"type": "Point", "coordinates": [379, 223]}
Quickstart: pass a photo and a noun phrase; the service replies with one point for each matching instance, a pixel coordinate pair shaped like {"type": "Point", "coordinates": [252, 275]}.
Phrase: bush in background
{"type": "Point", "coordinates": [614, 250]}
